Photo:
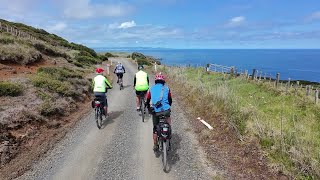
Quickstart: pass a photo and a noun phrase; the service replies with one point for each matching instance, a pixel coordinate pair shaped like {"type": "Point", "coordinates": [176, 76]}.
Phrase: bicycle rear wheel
{"type": "Point", "coordinates": [165, 146]}
{"type": "Point", "coordinates": [99, 118]}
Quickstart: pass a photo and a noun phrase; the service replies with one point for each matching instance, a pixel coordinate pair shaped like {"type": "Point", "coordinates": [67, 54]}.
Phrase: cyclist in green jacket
{"type": "Point", "coordinates": [100, 84]}
{"type": "Point", "coordinates": [141, 84]}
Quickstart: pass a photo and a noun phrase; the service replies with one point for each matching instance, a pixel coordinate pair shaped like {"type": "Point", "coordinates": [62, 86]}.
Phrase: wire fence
{"type": "Point", "coordinates": [15, 31]}
{"type": "Point", "coordinates": [289, 85]}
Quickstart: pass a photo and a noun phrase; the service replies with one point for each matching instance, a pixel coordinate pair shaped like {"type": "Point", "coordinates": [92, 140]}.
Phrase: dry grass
{"type": "Point", "coordinates": [287, 126]}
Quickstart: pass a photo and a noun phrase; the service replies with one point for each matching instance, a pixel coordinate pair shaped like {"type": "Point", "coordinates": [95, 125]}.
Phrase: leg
{"type": "Point", "coordinates": [138, 99]}
{"type": "Point", "coordinates": [155, 122]}
{"type": "Point", "coordinates": [105, 106]}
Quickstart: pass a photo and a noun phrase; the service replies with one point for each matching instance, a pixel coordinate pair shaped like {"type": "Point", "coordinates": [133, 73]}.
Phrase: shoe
{"type": "Point", "coordinates": [117, 81]}
{"type": "Point", "coordinates": [138, 108]}
{"type": "Point", "coordinates": [155, 147]}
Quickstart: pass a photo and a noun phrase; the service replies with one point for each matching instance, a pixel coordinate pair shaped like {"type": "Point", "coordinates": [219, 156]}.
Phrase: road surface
{"type": "Point", "coordinates": [122, 149]}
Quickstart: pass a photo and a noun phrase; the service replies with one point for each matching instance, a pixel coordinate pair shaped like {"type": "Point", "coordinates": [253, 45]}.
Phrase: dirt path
{"type": "Point", "coordinates": [123, 148]}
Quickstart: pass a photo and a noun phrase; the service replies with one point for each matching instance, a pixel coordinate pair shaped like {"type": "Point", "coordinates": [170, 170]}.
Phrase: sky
{"type": "Point", "coordinates": [184, 24]}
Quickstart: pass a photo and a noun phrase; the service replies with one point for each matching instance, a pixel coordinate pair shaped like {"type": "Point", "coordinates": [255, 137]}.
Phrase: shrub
{"type": "Point", "coordinates": [87, 60]}
{"type": "Point", "coordinates": [6, 40]}
{"type": "Point", "coordinates": [50, 51]}
{"type": "Point", "coordinates": [137, 55]}
{"type": "Point", "coordinates": [143, 62]}
{"type": "Point", "coordinates": [110, 55]}
{"type": "Point", "coordinates": [10, 89]}
{"type": "Point", "coordinates": [20, 54]}
{"type": "Point", "coordinates": [60, 73]}
{"type": "Point", "coordinates": [48, 108]}
{"type": "Point", "coordinates": [78, 64]}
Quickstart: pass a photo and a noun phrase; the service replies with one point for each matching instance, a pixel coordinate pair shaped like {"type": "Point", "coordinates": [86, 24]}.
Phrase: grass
{"type": "Point", "coordinates": [58, 80]}
{"type": "Point", "coordinates": [10, 89]}
{"type": "Point", "coordinates": [286, 125]}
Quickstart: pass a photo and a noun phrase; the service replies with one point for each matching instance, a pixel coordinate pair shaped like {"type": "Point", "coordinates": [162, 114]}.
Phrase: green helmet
{"type": "Point", "coordinates": [140, 67]}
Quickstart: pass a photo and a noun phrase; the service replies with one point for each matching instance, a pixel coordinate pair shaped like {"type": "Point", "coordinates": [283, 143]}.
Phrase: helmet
{"type": "Point", "coordinates": [119, 62]}
{"type": "Point", "coordinates": [99, 70]}
{"type": "Point", "coordinates": [159, 77]}
{"type": "Point", "coordinates": [140, 67]}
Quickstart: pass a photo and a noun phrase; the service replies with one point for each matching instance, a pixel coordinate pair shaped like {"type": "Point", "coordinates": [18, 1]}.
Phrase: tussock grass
{"type": "Point", "coordinates": [10, 89]}
{"type": "Point", "coordinates": [21, 54]}
{"type": "Point", "coordinates": [58, 80]}
{"type": "Point", "coordinates": [286, 125]}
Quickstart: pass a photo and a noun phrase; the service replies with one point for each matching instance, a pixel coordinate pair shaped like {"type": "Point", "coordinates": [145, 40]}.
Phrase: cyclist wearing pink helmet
{"type": "Point", "coordinates": [161, 100]}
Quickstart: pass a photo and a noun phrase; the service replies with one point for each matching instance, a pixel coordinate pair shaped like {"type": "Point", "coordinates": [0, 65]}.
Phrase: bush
{"type": "Point", "coordinates": [6, 40]}
{"type": "Point", "coordinates": [110, 55]}
{"type": "Point", "coordinates": [10, 89]}
{"type": "Point", "coordinates": [103, 57]}
{"type": "Point", "coordinates": [60, 73]}
{"type": "Point", "coordinates": [50, 51]}
{"type": "Point", "coordinates": [48, 108]}
{"type": "Point", "coordinates": [137, 55]}
{"type": "Point", "coordinates": [86, 60]}
{"type": "Point", "coordinates": [78, 64]}
{"type": "Point", "coordinates": [143, 62]}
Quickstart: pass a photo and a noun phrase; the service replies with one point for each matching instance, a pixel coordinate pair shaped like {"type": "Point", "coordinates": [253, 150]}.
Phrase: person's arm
{"type": "Point", "coordinates": [169, 97]}
{"type": "Point", "coordinates": [148, 79]}
{"type": "Point", "coordinates": [124, 70]}
{"type": "Point", "coordinates": [107, 82]}
{"type": "Point", "coordinates": [134, 81]}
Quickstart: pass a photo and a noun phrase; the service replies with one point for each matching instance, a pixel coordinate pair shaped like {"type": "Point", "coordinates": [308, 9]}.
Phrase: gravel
{"type": "Point", "coordinates": [123, 148]}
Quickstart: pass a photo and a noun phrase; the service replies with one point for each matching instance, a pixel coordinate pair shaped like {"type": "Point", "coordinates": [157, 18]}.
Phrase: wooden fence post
{"type": "Point", "coordinates": [288, 85]}
{"type": "Point", "coordinates": [308, 90]}
{"type": "Point", "coordinates": [316, 96]}
{"type": "Point", "coordinates": [260, 75]}
{"type": "Point", "coordinates": [265, 76]}
{"type": "Point", "coordinates": [254, 72]}
{"type": "Point", "coordinates": [277, 79]}
{"type": "Point", "coordinates": [296, 88]}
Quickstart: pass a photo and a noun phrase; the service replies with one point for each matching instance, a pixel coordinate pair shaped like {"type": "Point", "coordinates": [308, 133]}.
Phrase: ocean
{"type": "Point", "coordinates": [297, 64]}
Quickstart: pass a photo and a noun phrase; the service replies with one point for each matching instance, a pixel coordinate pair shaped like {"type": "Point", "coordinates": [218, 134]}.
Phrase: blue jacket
{"type": "Point", "coordinates": [155, 96]}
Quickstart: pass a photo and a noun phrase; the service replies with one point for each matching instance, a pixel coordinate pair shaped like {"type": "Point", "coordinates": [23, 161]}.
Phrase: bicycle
{"type": "Point", "coordinates": [99, 111]}
{"type": "Point", "coordinates": [142, 105]}
{"type": "Point", "coordinates": [120, 83]}
{"type": "Point", "coordinates": [163, 140]}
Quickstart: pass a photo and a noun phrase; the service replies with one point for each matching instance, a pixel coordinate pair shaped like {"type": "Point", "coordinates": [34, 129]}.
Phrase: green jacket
{"type": "Point", "coordinates": [142, 81]}
{"type": "Point", "coordinates": [100, 83]}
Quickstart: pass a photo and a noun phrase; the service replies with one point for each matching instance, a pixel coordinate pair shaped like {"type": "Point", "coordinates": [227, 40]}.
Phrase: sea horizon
{"type": "Point", "coordinates": [296, 64]}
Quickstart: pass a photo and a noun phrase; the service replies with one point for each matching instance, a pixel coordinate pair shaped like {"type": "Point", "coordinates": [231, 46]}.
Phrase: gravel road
{"type": "Point", "coordinates": [122, 149]}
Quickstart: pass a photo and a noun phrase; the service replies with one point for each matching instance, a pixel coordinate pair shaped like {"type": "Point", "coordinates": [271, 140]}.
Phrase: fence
{"type": "Point", "coordinates": [15, 31]}
{"type": "Point", "coordinates": [260, 76]}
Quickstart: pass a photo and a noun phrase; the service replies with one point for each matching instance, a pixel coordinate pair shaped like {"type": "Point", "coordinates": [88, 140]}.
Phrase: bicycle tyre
{"type": "Point", "coordinates": [142, 108]}
{"type": "Point", "coordinates": [99, 118]}
{"type": "Point", "coordinates": [165, 155]}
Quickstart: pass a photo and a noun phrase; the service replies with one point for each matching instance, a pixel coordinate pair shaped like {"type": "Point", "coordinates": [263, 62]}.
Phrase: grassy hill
{"type": "Point", "coordinates": [44, 79]}
{"type": "Point", "coordinates": [285, 124]}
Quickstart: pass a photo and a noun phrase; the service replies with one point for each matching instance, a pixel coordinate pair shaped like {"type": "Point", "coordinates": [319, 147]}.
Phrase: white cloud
{"type": "Point", "coordinates": [58, 27]}
{"type": "Point", "coordinates": [314, 17]}
{"type": "Point", "coordinates": [84, 9]}
{"type": "Point", "coordinates": [236, 21]}
{"type": "Point", "coordinates": [126, 25]}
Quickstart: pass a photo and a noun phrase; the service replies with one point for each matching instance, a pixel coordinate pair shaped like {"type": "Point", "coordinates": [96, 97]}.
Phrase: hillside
{"type": "Point", "coordinates": [253, 121]}
{"type": "Point", "coordinates": [44, 80]}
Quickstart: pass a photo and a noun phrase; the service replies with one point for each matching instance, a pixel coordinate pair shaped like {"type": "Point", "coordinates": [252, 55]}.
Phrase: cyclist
{"type": "Point", "coordinates": [161, 100]}
{"type": "Point", "coordinates": [100, 84]}
{"type": "Point", "coordinates": [141, 84]}
{"type": "Point", "coordinates": [119, 71]}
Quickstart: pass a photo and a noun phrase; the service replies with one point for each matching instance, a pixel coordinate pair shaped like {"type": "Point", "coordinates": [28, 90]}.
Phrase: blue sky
{"type": "Point", "coordinates": [174, 23]}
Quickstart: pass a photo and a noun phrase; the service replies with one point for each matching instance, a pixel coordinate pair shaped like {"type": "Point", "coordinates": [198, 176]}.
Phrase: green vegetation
{"type": "Point", "coordinates": [108, 55]}
{"type": "Point", "coordinates": [144, 60]}
{"type": "Point", "coordinates": [58, 80]}
{"type": "Point", "coordinates": [10, 89]}
{"type": "Point", "coordinates": [286, 125]}
{"type": "Point", "coordinates": [46, 43]}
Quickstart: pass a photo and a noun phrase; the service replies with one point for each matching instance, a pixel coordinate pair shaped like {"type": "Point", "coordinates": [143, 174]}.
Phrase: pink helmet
{"type": "Point", "coordinates": [159, 77]}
